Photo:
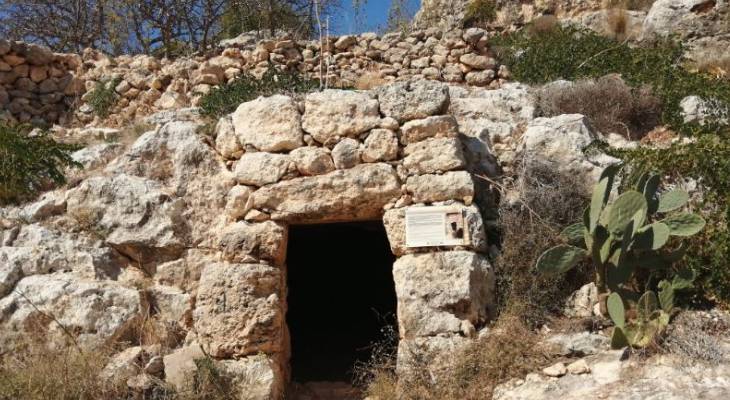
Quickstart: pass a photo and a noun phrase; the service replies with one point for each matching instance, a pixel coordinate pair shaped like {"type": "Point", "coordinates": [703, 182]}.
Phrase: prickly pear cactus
{"type": "Point", "coordinates": [620, 236]}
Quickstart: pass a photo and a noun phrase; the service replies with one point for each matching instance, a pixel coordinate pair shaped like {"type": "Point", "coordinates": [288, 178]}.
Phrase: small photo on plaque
{"type": "Point", "coordinates": [433, 226]}
{"type": "Point", "coordinates": [454, 226]}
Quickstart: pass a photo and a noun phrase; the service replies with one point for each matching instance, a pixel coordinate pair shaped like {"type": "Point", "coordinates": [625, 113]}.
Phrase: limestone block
{"type": "Point", "coordinates": [339, 113]}
{"type": "Point", "coordinates": [180, 366]}
{"type": "Point", "coordinates": [352, 194]}
{"type": "Point", "coordinates": [380, 145]}
{"type": "Point", "coordinates": [239, 310]}
{"type": "Point", "coordinates": [226, 141]}
{"type": "Point", "coordinates": [438, 292]}
{"type": "Point", "coordinates": [259, 169]}
{"type": "Point", "coordinates": [96, 311]}
{"type": "Point", "coordinates": [434, 155]}
{"type": "Point", "coordinates": [409, 100]}
{"type": "Point", "coordinates": [237, 201]}
{"type": "Point", "coordinates": [247, 242]}
{"type": "Point", "coordinates": [346, 154]}
{"type": "Point", "coordinates": [312, 160]}
{"type": "Point", "coordinates": [255, 378]}
{"type": "Point", "coordinates": [456, 185]}
{"type": "Point", "coordinates": [171, 303]}
{"type": "Point", "coordinates": [395, 220]}
{"type": "Point", "coordinates": [478, 62]}
{"type": "Point", "coordinates": [269, 123]}
{"type": "Point", "coordinates": [437, 126]}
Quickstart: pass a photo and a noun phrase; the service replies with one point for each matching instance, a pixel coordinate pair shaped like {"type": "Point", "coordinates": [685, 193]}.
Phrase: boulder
{"type": "Point", "coordinates": [226, 140]}
{"type": "Point", "coordinates": [180, 366]}
{"type": "Point", "coordinates": [269, 124]}
{"type": "Point", "coordinates": [239, 310]}
{"type": "Point", "coordinates": [339, 113]}
{"type": "Point", "coordinates": [134, 215]}
{"type": "Point", "coordinates": [124, 365]}
{"type": "Point", "coordinates": [438, 292]}
{"type": "Point", "coordinates": [560, 141]}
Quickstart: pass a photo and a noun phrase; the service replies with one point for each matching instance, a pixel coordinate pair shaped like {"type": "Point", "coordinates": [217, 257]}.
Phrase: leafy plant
{"type": "Point", "coordinates": [569, 52]}
{"type": "Point", "coordinates": [480, 13]}
{"type": "Point", "coordinates": [29, 163]}
{"type": "Point", "coordinates": [103, 97]}
{"type": "Point", "coordinates": [226, 98]}
{"type": "Point", "coordinates": [625, 235]}
{"type": "Point", "coordinates": [706, 161]}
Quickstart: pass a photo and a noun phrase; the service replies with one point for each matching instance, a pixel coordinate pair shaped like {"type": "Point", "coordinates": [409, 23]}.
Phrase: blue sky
{"type": "Point", "coordinates": [375, 14]}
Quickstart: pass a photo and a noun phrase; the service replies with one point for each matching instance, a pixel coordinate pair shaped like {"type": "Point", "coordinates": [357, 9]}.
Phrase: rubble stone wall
{"type": "Point", "coordinates": [147, 84]}
{"type": "Point", "coordinates": [36, 85]}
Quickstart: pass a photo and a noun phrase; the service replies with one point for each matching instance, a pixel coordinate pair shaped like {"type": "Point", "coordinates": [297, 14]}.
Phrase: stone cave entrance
{"type": "Point", "coordinates": [341, 296]}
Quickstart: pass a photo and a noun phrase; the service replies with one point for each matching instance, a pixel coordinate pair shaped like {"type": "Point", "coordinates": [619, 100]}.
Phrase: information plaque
{"type": "Point", "coordinates": [436, 226]}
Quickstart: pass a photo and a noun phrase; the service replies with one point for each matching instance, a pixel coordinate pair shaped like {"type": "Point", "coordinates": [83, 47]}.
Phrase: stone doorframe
{"type": "Point", "coordinates": [367, 158]}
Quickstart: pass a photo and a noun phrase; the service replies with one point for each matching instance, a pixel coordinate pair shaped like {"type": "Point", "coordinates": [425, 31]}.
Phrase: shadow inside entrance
{"type": "Point", "coordinates": [341, 296]}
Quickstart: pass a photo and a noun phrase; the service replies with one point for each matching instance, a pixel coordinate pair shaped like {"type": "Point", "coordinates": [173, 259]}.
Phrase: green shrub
{"type": "Point", "coordinates": [29, 164]}
{"type": "Point", "coordinates": [540, 56]}
{"type": "Point", "coordinates": [707, 161]}
{"type": "Point", "coordinates": [226, 98]}
{"type": "Point", "coordinates": [103, 97]}
{"type": "Point", "coordinates": [480, 13]}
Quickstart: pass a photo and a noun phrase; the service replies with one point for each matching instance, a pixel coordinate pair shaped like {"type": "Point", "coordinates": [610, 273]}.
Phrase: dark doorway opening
{"type": "Point", "coordinates": [341, 295]}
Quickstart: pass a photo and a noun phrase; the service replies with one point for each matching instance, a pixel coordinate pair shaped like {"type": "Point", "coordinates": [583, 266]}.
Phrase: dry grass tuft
{"type": "Point", "coordinates": [715, 65]}
{"type": "Point", "coordinates": [34, 372]}
{"type": "Point", "coordinates": [542, 25]}
{"type": "Point", "coordinates": [618, 23]}
{"type": "Point", "coordinates": [608, 102]}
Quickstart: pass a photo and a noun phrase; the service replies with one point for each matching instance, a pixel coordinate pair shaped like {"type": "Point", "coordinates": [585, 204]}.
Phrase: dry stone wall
{"type": "Point", "coordinates": [36, 85]}
{"type": "Point", "coordinates": [147, 84]}
{"type": "Point", "coordinates": [194, 231]}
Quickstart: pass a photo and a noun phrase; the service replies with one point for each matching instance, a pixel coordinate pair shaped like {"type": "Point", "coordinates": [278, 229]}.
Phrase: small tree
{"type": "Point", "coordinates": [30, 163]}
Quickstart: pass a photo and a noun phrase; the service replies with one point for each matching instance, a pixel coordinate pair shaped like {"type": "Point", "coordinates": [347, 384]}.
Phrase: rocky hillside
{"type": "Point", "coordinates": [144, 236]}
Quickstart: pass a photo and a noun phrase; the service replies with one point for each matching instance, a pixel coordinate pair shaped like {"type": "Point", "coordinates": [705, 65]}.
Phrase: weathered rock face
{"type": "Point", "coordinates": [240, 310]}
{"type": "Point", "coordinates": [442, 293]}
{"type": "Point", "coordinates": [607, 376]}
{"type": "Point", "coordinates": [137, 218]}
{"type": "Point", "coordinates": [410, 100]}
{"type": "Point", "coordinates": [269, 124]}
{"type": "Point", "coordinates": [560, 141]}
{"type": "Point", "coordinates": [331, 114]}
{"type": "Point", "coordinates": [96, 310]}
